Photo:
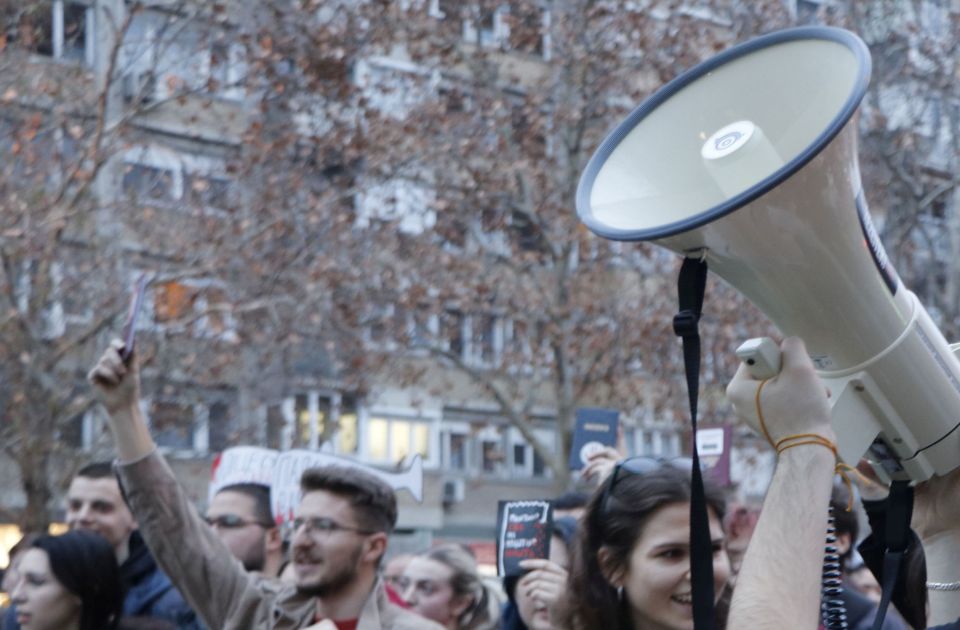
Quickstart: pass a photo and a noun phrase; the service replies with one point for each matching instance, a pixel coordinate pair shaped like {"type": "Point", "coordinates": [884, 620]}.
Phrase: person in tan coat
{"type": "Point", "coordinates": [340, 536]}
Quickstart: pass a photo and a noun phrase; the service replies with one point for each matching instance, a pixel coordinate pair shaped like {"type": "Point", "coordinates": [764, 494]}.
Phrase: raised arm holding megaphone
{"type": "Point", "coordinates": [749, 162]}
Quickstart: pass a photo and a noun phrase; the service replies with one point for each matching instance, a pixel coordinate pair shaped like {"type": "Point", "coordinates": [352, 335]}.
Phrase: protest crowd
{"type": "Point", "coordinates": [139, 555]}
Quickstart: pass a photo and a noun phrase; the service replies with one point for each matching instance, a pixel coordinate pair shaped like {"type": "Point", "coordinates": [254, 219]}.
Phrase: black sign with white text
{"type": "Point", "coordinates": [523, 533]}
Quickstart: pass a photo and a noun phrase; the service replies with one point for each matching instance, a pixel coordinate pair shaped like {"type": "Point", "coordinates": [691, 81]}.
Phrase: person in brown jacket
{"type": "Point", "coordinates": [341, 530]}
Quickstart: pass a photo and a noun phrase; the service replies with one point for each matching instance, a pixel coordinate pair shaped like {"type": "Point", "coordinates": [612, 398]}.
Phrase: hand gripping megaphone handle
{"type": "Point", "coordinates": [761, 355]}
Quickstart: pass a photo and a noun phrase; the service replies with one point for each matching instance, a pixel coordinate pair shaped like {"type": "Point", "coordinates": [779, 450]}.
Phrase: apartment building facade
{"type": "Point", "coordinates": [182, 87]}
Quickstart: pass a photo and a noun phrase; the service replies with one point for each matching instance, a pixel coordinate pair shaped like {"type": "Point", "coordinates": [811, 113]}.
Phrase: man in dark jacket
{"type": "Point", "coordinates": [94, 502]}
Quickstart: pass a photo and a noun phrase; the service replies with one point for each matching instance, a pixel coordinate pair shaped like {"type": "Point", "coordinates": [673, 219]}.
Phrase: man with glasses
{"type": "Point", "coordinates": [240, 514]}
{"type": "Point", "coordinates": [340, 533]}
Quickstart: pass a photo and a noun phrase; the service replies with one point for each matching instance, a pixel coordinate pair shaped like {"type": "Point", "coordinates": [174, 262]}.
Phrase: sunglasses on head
{"type": "Point", "coordinates": [640, 465]}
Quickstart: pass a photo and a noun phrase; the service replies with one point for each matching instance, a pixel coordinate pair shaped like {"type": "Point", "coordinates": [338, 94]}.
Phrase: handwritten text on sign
{"type": "Point", "coordinates": [523, 532]}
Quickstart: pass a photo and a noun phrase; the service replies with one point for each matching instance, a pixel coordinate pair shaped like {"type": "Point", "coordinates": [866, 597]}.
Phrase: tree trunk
{"type": "Point", "coordinates": [35, 475]}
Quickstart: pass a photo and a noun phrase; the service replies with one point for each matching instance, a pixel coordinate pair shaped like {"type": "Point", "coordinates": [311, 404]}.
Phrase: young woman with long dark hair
{"type": "Point", "coordinates": [631, 561]}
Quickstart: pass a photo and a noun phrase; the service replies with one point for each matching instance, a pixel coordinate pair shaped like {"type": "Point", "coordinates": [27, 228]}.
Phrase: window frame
{"type": "Point", "coordinates": [336, 406]}
{"type": "Point", "coordinates": [58, 33]}
{"type": "Point", "coordinates": [401, 414]}
{"type": "Point", "coordinates": [199, 437]}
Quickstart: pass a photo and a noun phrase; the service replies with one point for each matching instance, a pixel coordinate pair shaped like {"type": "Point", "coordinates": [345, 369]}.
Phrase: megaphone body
{"type": "Point", "coordinates": [750, 161]}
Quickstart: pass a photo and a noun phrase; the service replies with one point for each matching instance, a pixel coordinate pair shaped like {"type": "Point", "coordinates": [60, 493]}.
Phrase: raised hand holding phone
{"type": "Point", "coordinates": [116, 382]}
{"type": "Point", "coordinates": [130, 327]}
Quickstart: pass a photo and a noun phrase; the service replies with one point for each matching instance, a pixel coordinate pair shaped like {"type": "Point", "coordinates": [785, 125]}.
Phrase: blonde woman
{"type": "Point", "coordinates": [443, 584]}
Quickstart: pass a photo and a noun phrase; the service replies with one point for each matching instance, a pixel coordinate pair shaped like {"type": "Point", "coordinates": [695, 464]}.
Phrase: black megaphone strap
{"type": "Point", "coordinates": [691, 287]}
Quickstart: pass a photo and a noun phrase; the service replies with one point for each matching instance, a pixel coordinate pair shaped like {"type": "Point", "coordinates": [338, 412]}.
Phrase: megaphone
{"type": "Point", "coordinates": [750, 161]}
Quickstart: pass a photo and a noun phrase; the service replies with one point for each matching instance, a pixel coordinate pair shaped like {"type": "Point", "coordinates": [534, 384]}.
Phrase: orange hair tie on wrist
{"type": "Point", "coordinates": [801, 439]}
{"type": "Point", "coordinates": [841, 468]}
{"type": "Point", "coordinates": [763, 425]}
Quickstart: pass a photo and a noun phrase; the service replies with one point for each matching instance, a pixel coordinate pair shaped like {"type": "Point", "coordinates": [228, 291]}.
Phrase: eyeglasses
{"type": "Point", "coordinates": [321, 525]}
{"type": "Point", "coordinates": [640, 465]}
{"type": "Point", "coordinates": [232, 521]}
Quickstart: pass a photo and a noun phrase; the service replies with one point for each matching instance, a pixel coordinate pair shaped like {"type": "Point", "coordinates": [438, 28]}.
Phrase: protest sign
{"type": "Point", "coordinates": [713, 447]}
{"type": "Point", "coordinates": [523, 532]}
{"type": "Point", "coordinates": [289, 467]}
{"type": "Point", "coordinates": [242, 464]}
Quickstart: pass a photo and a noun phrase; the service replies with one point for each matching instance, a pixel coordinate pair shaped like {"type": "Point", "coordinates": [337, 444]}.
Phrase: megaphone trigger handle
{"type": "Point", "coordinates": [761, 356]}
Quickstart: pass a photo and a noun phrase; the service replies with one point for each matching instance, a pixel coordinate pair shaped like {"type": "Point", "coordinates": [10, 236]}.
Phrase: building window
{"type": "Point", "coordinates": [207, 191]}
{"type": "Point", "coordinates": [656, 442]}
{"type": "Point", "coordinates": [423, 326]}
{"type": "Point", "coordinates": [61, 30]}
{"type": "Point", "coordinates": [395, 89]}
{"type": "Point", "coordinates": [312, 413]}
{"type": "Point", "coordinates": [539, 466]}
{"type": "Point", "coordinates": [348, 434]}
{"type": "Point", "coordinates": [404, 203]}
{"type": "Point", "coordinates": [76, 432]}
{"type": "Point", "coordinates": [312, 420]}
{"type": "Point", "coordinates": [445, 9]}
{"type": "Point", "coordinates": [520, 458]}
{"type": "Point", "coordinates": [493, 457]}
{"type": "Point", "coordinates": [228, 69]}
{"type": "Point", "coordinates": [487, 28]}
{"type": "Point", "coordinates": [158, 175]}
{"type": "Point", "coordinates": [457, 458]}
{"type": "Point", "coordinates": [276, 427]}
{"type": "Point", "coordinates": [527, 462]}
{"type": "Point", "coordinates": [487, 339]}
{"type": "Point", "coordinates": [201, 307]}
{"type": "Point", "coordinates": [214, 315]}
{"type": "Point", "coordinates": [173, 425]}
{"type": "Point", "coordinates": [219, 426]}
{"type": "Point", "coordinates": [393, 439]}
{"type": "Point", "coordinates": [451, 328]}
{"type": "Point", "coordinates": [648, 448]}
{"type": "Point", "coordinates": [149, 184]}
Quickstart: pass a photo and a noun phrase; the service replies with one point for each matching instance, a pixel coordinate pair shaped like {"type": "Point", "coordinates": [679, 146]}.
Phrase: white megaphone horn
{"type": "Point", "coordinates": [750, 160]}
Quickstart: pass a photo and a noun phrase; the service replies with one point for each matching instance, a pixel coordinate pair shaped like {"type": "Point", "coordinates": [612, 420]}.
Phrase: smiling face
{"type": "Point", "coordinates": [96, 505]}
{"type": "Point", "coordinates": [327, 562]}
{"type": "Point", "coordinates": [656, 580]}
{"type": "Point", "coordinates": [42, 602]}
